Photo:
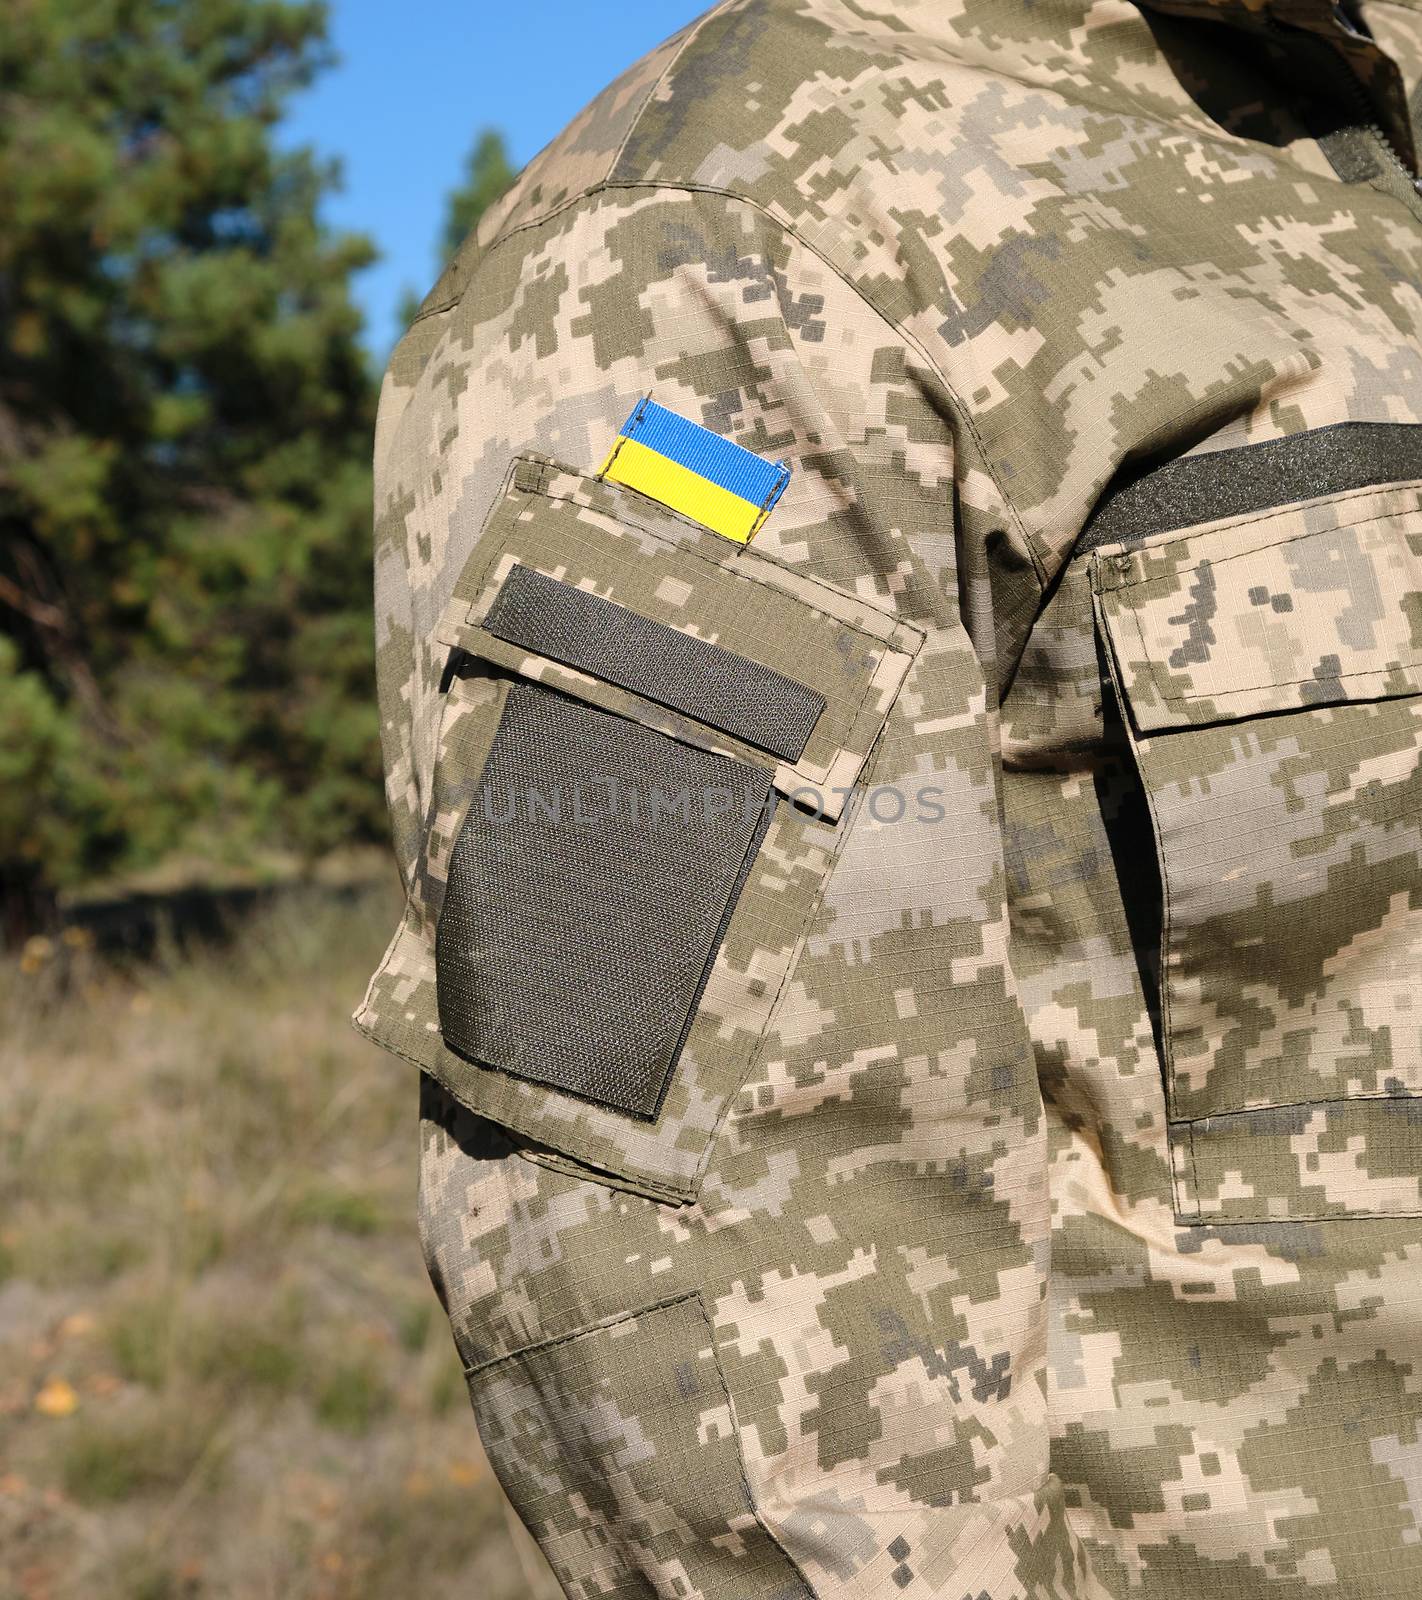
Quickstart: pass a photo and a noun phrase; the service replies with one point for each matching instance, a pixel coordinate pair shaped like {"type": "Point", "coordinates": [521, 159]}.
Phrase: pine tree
{"type": "Point", "coordinates": [185, 416]}
{"type": "Point", "coordinates": [488, 174]}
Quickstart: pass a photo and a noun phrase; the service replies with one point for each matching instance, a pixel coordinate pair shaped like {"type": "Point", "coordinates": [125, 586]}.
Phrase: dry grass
{"type": "Point", "coordinates": [222, 1369]}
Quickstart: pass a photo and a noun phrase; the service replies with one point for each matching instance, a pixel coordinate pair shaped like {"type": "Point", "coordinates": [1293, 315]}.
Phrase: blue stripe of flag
{"type": "Point", "coordinates": [721, 461]}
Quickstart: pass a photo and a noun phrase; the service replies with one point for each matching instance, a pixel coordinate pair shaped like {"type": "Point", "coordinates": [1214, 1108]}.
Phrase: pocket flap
{"type": "Point", "coordinates": [597, 591]}
{"type": "Point", "coordinates": [597, 974]}
{"type": "Point", "coordinates": [1315, 605]}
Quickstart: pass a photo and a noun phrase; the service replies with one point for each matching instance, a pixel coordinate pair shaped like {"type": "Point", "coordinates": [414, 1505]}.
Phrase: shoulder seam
{"type": "Point", "coordinates": [693, 30]}
{"type": "Point", "coordinates": [681, 186]}
{"type": "Point", "coordinates": [900, 332]}
{"type": "Point", "coordinates": [691, 34]}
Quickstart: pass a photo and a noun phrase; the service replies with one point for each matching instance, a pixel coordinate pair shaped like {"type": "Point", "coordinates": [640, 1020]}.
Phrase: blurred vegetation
{"type": "Point", "coordinates": [185, 426]}
{"type": "Point", "coordinates": [488, 174]}
{"type": "Point", "coordinates": [222, 1370]}
{"type": "Point", "coordinates": [185, 415]}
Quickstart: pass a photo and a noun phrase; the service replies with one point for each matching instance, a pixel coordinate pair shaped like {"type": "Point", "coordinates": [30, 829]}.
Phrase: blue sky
{"type": "Point", "coordinates": [415, 83]}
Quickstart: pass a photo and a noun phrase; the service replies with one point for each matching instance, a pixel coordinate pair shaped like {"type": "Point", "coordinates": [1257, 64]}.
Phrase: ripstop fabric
{"type": "Point", "coordinates": [1032, 1206]}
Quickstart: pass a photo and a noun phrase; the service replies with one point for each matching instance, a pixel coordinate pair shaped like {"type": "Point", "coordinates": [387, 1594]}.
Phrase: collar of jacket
{"type": "Point", "coordinates": [1377, 75]}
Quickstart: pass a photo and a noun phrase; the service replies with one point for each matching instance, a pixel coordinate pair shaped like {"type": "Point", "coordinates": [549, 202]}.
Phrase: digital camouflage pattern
{"type": "Point", "coordinates": [1034, 1207]}
{"type": "Point", "coordinates": [1310, 823]}
{"type": "Point", "coordinates": [633, 553]}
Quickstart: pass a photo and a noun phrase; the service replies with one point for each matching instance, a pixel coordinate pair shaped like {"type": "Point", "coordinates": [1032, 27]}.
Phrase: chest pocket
{"type": "Point", "coordinates": [646, 743]}
{"type": "Point", "coordinates": [1270, 672]}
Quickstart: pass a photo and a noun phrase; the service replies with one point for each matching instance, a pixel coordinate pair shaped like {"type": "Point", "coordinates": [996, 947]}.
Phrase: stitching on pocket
{"type": "Point", "coordinates": [728, 568]}
{"type": "Point", "coordinates": [1231, 1219]}
{"type": "Point", "coordinates": [1293, 683]}
{"type": "Point", "coordinates": [1200, 1218]}
{"type": "Point", "coordinates": [876, 646]}
{"type": "Point", "coordinates": [1366, 1097]}
{"type": "Point", "coordinates": [1244, 555]}
{"type": "Point", "coordinates": [620, 1319]}
{"type": "Point", "coordinates": [910, 645]}
{"type": "Point", "coordinates": [600, 1326]}
{"type": "Point", "coordinates": [791, 968]}
{"type": "Point", "coordinates": [740, 1451]}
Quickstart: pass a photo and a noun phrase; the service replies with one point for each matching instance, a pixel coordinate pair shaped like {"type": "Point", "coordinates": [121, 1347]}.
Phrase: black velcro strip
{"type": "Point", "coordinates": [701, 680]}
{"type": "Point", "coordinates": [589, 890]}
{"type": "Point", "coordinates": [1254, 477]}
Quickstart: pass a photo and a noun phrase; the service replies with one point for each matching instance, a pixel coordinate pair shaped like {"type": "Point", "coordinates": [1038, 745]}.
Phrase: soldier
{"type": "Point", "coordinates": [963, 463]}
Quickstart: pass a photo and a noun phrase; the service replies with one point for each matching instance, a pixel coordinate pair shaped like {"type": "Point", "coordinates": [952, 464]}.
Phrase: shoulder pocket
{"type": "Point", "coordinates": [647, 742]}
{"type": "Point", "coordinates": [1270, 673]}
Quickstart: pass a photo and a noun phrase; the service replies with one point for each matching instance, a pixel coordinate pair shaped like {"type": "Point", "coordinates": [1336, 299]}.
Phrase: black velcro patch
{"type": "Point", "coordinates": [686, 674]}
{"type": "Point", "coordinates": [589, 890]}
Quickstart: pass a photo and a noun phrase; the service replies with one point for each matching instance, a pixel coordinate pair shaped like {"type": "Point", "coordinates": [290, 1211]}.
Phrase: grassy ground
{"type": "Point", "coordinates": [222, 1369]}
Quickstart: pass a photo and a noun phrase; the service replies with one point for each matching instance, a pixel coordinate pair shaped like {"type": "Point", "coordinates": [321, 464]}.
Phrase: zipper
{"type": "Point", "coordinates": [1367, 121]}
{"type": "Point", "coordinates": [1365, 104]}
{"type": "Point", "coordinates": [1379, 135]}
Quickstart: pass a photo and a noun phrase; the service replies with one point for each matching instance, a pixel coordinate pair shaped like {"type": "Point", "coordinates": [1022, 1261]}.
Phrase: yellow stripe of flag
{"type": "Point", "coordinates": [676, 486]}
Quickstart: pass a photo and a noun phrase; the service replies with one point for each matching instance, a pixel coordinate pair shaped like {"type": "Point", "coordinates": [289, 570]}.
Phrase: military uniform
{"type": "Point", "coordinates": [998, 1174]}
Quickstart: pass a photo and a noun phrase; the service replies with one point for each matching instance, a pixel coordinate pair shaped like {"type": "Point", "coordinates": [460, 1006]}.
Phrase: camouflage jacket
{"type": "Point", "coordinates": [1001, 1174]}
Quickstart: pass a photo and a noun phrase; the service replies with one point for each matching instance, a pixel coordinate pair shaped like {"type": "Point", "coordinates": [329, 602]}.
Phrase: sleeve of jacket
{"type": "Point", "coordinates": [861, 1232]}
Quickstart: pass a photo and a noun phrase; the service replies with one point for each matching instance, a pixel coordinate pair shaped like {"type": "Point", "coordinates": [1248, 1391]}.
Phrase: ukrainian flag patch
{"type": "Point", "coordinates": [689, 469]}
